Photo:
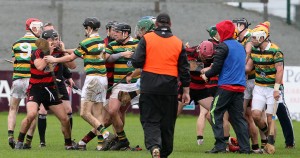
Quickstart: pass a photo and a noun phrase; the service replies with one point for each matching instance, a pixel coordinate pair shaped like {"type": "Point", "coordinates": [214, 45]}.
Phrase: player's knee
{"type": "Point", "coordinates": [256, 115]}
{"type": "Point", "coordinates": [13, 107]}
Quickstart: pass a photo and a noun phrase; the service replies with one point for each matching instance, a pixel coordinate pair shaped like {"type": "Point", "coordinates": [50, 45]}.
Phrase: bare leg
{"type": "Point", "coordinates": [201, 125]}
{"type": "Point", "coordinates": [60, 113]}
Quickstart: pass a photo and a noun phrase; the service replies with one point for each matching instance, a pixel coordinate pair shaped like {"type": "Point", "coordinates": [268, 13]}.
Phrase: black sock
{"type": "Point", "coordinates": [42, 124]}
{"type": "Point", "coordinates": [68, 141]}
{"type": "Point", "coordinates": [263, 143]}
{"type": "Point", "coordinates": [101, 129]}
{"type": "Point", "coordinates": [29, 139]}
{"type": "Point", "coordinates": [255, 146]}
{"type": "Point", "coordinates": [265, 129]}
{"type": "Point", "coordinates": [70, 119]}
{"type": "Point", "coordinates": [87, 138]}
{"type": "Point", "coordinates": [122, 136]}
{"type": "Point", "coordinates": [226, 139]}
{"type": "Point", "coordinates": [199, 137]}
{"type": "Point", "coordinates": [21, 137]}
{"type": "Point", "coordinates": [10, 133]}
{"type": "Point", "coordinates": [132, 94]}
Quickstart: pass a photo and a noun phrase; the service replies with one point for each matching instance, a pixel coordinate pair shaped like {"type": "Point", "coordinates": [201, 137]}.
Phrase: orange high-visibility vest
{"type": "Point", "coordinates": [162, 54]}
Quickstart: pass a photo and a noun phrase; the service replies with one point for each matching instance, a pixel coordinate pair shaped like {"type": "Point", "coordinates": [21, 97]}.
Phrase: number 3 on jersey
{"type": "Point", "coordinates": [26, 48]}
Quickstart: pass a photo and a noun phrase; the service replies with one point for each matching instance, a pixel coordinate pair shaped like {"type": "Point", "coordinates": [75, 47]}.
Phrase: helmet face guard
{"type": "Point", "coordinates": [32, 23]}
{"type": "Point", "coordinates": [239, 23]}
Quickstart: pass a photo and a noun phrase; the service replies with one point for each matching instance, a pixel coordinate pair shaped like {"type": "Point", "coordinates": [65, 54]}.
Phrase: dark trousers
{"type": "Point", "coordinates": [286, 124]}
{"type": "Point", "coordinates": [158, 116]}
{"type": "Point", "coordinates": [232, 102]}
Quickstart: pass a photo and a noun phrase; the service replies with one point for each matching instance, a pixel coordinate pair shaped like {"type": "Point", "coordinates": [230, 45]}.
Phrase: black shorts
{"type": "Point", "coordinates": [212, 91]}
{"type": "Point", "coordinates": [198, 94]}
{"type": "Point", "coordinates": [63, 91]}
{"type": "Point", "coordinates": [41, 95]}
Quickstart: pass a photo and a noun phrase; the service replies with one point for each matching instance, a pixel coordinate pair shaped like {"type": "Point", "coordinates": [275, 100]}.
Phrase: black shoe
{"type": "Point", "coordinates": [11, 142]}
{"type": "Point", "coordinates": [290, 146]}
{"type": "Point", "coordinates": [26, 146]}
{"type": "Point", "coordinates": [108, 142]}
{"type": "Point", "coordinates": [70, 147]}
{"type": "Point", "coordinates": [42, 144]}
{"type": "Point", "coordinates": [121, 145]}
{"type": "Point", "coordinates": [80, 147]}
{"type": "Point", "coordinates": [215, 151]}
{"type": "Point", "coordinates": [19, 145]}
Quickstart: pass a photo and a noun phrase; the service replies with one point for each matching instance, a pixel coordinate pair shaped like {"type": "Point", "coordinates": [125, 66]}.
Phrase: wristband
{"type": "Point", "coordinates": [276, 87]}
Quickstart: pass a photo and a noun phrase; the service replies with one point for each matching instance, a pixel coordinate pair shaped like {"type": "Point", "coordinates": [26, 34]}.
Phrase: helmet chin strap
{"type": "Point", "coordinates": [215, 39]}
{"type": "Point", "coordinates": [260, 43]}
{"type": "Point", "coordinates": [35, 33]}
{"type": "Point", "coordinates": [124, 38]}
{"type": "Point", "coordinates": [240, 30]}
{"type": "Point", "coordinates": [87, 34]}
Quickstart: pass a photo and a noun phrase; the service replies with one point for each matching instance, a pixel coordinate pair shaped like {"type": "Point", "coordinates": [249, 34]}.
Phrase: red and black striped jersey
{"type": "Point", "coordinates": [40, 78]}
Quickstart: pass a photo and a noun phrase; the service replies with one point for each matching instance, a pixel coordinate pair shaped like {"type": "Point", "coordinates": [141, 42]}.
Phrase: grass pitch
{"type": "Point", "coordinates": [184, 143]}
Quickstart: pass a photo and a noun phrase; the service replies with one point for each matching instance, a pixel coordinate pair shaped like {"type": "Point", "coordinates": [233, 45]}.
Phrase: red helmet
{"type": "Point", "coordinates": [28, 25]}
{"type": "Point", "coordinates": [205, 50]}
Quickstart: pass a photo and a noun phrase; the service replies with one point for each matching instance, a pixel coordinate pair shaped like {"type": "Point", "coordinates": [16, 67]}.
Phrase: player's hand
{"type": "Point", "coordinates": [128, 79]}
{"type": "Point", "coordinates": [187, 45]}
{"type": "Point", "coordinates": [186, 95]}
{"type": "Point", "coordinates": [276, 95]}
{"type": "Point", "coordinates": [71, 82]}
{"type": "Point", "coordinates": [205, 69]}
{"type": "Point", "coordinates": [62, 46]}
{"type": "Point", "coordinates": [204, 77]}
{"type": "Point", "coordinates": [50, 59]}
{"type": "Point", "coordinates": [127, 54]}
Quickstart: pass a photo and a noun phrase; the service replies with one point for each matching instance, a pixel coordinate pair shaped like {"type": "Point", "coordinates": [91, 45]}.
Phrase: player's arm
{"type": "Point", "coordinates": [184, 75]}
{"type": "Point", "coordinates": [248, 48]}
{"type": "Point", "coordinates": [279, 72]}
{"type": "Point", "coordinates": [69, 51]}
{"type": "Point", "coordinates": [70, 64]}
{"type": "Point", "coordinates": [219, 59]}
{"type": "Point", "coordinates": [249, 65]}
{"type": "Point", "coordinates": [66, 58]}
{"type": "Point", "coordinates": [139, 57]}
{"type": "Point", "coordinates": [135, 73]}
{"type": "Point", "coordinates": [39, 62]}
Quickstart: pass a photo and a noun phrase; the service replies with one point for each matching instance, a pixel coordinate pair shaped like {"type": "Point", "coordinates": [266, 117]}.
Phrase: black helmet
{"type": "Point", "coordinates": [122, 27]}
{"type": "Point", "coordinates": [49, 34]}
{"type": "Point", "coordinates": [110, 24]}
{"type": "Point", "coordinates": [241, 21]}
{"type": "Point", "coordinates": [92, 22]}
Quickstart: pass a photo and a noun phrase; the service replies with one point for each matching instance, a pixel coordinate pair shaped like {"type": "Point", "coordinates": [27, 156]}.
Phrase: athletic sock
{"type": "Point", "coordinates": [29, 139]}
{"type": "Point", "coordinates": [21, 137]}
{"type": "Point", "coordinates": [10, 133]}
{"type": "Point", "coordinates": [263, 143]}
{"type": "Point", "coordinates": [87, 138]}
{"type": "Point", "coordinates": [42, 124]}
{"type": "Point", "coordinates": [122, 136]}
{"type": "Point", "coordinates": [226, 139]}
{"type": "Point", "coordinates": [265, 129]}
{"type": "Point", "coordinates": [102, 130]}
{"type": "Point", "coordinates": [255, 147]}
{"type": "Point", "coordinates": [100, 139]}
{"type": "Point", "coordinates": [70, 119]}
{"type": "Point", "coordinates": [199, 137]}
{"type": "Point", "coordinates": [132, 94]}
{"type": "Point", "coordinates": [68, 142]}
